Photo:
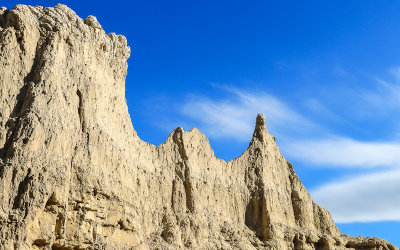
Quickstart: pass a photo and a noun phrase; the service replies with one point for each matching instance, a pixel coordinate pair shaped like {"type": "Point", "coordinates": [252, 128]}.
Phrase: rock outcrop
{"type": "Point", "coordinates": [75, 175]}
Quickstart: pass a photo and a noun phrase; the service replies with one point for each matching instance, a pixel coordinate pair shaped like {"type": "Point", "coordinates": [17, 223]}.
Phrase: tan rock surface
{"type": "Point", "coordinates": [74, 174]}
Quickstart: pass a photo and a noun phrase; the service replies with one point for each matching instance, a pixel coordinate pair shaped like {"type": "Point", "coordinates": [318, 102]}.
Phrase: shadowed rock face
{"type": "Point", "coordinates": [74, 174]}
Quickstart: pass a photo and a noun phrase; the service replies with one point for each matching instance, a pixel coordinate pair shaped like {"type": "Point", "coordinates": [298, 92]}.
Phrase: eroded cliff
{"type": "Point", "coordinates": [74, 174]}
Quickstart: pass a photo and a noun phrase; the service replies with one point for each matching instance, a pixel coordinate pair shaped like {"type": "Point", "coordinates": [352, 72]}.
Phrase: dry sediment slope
{"type": "Point", "coordinates": [74, 174]}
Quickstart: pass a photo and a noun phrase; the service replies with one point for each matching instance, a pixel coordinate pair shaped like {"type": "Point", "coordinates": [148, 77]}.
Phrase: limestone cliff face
{"type": "Point", "coordinates": [74, 174]}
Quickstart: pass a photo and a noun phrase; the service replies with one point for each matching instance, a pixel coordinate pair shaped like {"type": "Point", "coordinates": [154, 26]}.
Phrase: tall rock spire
{"type": "Point", "coordinates": [261, 128]}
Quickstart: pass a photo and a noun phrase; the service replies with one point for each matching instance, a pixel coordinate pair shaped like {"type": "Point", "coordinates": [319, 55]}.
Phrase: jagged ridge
{"type": "Point", "coordinates": [74, 174]}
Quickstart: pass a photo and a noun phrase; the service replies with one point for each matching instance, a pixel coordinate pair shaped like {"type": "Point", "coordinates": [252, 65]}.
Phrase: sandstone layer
{"type": "Point", "coordinates": [75, 175]}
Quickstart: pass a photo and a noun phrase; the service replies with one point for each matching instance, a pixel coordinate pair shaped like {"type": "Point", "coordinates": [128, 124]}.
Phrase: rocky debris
{"type": "Point", "coordinates": [74, 174]}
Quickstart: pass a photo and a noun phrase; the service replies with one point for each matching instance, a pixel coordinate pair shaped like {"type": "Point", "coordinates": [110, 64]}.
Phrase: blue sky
{"type": "Point", "coordinates": [325, 73]}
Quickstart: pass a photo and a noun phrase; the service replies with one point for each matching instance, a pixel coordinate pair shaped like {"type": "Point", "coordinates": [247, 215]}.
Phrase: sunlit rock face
{"type": "Point", "coordinates": [74, 174]}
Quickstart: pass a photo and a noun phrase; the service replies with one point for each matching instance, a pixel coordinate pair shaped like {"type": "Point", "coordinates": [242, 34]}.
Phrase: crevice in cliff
{"type": "Point", "coordinates": [256, 216]}
{"type": "Point", "coordinates": [12, 123]}
{"type": "Point", "coordinates": [183, 174]}
{"type": "Point", "coordinates": [188, 190]}
{"type": "Point", "coordinates": [80, 110]}
{"type": "Point", "coordinates": [21, 104]}
{"type": "Point", "coordinates": [295, 243]}
{"type": "Point", "coordinates": [173, 194]}
{"type": "Point", "coordinates": [178, 139]}
{"type": "Point", "coordinates": [295, 196]}
{"type": "Point", "coordinates": [3, 16]}
{"type": "Point", "coordinates": [22, 188]}
{"type": "Point", "coordinates": [182, 170]}
{"type": "Point", "coordinates": [297, 204]}
{"type": "Point", "coordinates": [20, 42]}
{"type": "Point", "coordinates": [168, 233]}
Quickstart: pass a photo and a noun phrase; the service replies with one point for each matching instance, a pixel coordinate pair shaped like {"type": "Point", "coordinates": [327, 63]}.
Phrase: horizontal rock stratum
{"type": "Point", "coordinates": [75, 175]}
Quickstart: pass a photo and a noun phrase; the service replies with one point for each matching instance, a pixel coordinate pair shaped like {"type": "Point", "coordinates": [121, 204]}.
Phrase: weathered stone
{"type": "Point", "coordinates": [74, 173]}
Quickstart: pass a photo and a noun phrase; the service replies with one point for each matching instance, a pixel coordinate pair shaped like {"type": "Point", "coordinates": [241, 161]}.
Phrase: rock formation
{"type": "Point", "coordinates": [75, 175]}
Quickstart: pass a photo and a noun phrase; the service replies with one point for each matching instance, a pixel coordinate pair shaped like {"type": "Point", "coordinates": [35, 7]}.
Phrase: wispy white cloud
{"type": "Point", "coordinates": [345, 152]}
{"type": "Point", "coordinates": [367, 198]}
{"type": "Point", "coordinates": [318, 108]}
{"type": "Point", "coordinates": [395, 71]}
{"type": "Point", "coordinates": [385, 97]}
{"type": "Point", "coordinates": [386, 94]}
{"type": "Point", "coordinates": [340, 71]}
{"type": "Point", "coordinates": [234, 116]}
